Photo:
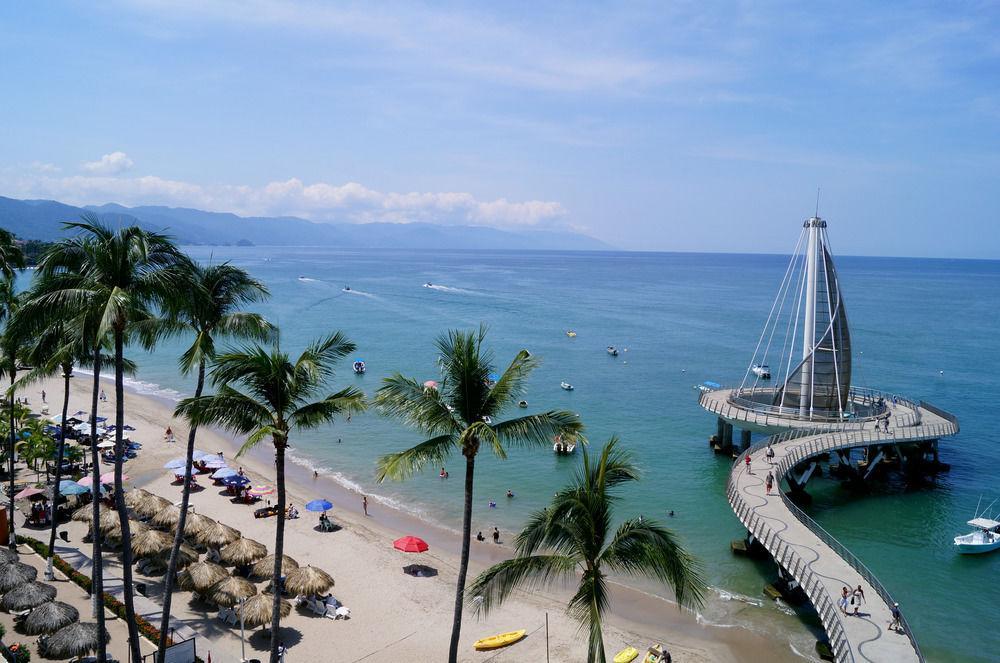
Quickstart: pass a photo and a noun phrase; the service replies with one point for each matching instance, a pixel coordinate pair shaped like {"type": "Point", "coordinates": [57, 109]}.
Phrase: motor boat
{"type": "Point", "coordinates": [347, 288]}
{"type": "Point", "coordinates": [359, 366]}
{"type": "Point", "coordinates": [571, 333]}
{"type": "Point", "coordinates": [708, 385]}
{"type": "Point", "coordinates": [985, 538]}
{"type": "Point", "coordinates": [613, 351]}
{"type": "Point", "coordinates": [763, 371]}
{"type": "Point", "coordinates": [566, 385]}
{"type": "Point", "coordinates": [522, 404]}
{"type": "Point", "coordinates": [428, 285]}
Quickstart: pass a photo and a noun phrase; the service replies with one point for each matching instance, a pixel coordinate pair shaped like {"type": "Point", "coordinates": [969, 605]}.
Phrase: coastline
{"type": "Point", "coordinates": [366, 568]}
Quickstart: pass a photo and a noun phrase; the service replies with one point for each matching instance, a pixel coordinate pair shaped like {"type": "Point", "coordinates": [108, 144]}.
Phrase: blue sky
{"type": "Point", "coordinates": [666, 125]}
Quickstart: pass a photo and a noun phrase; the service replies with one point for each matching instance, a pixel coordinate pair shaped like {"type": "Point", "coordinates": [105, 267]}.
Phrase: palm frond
{"type": "Point", "coordinates": [538, 429]}
{"type": "Point", "coordinates": [512, 383]}
{"type": "Point", "coordinates": [587, 607]}
{"type": "Point", "coordinates": [495, 585]}
{"type": "Point", "coordinates": [422, 408]}
{"type": "Point", "coordinates": [228, 408]}
{"type": "Point", "coordinates": [403, 464]}
{"type": "Point", "coordinates": [315, 414]}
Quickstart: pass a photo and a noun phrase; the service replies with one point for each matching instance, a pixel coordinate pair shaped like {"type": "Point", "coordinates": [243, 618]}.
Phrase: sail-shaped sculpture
{"type": "Point", "coordinates": [814, 373]}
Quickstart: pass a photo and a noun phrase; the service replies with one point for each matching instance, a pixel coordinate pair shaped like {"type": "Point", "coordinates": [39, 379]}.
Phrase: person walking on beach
{"type": "Point", "coordinates": [858, 598]}
{"type": "Point", "coordinates": [496, 535]}
{"type": "Point", "coordinates": [747, 460]}
{"type": "Point", "coordinates": [894, 625]}
{"type": "Point", "coordinates": [43, 395]}
{"type": "Point", "coordinates": [770, 455]}
{"type": "Point", "coordinates": [843, 600]}
{"type": "Point", "coordinates": [364, 503]}
{"type": "Point", "coordinates": [104, 397]}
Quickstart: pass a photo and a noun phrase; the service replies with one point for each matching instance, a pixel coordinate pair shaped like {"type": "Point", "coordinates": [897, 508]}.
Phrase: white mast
{"type": "Point", "coordinates": [809, 324]}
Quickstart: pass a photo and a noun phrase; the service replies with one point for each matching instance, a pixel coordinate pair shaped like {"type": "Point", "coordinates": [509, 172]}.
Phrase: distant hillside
{"type": "Point", "coordinates": [42, 219]}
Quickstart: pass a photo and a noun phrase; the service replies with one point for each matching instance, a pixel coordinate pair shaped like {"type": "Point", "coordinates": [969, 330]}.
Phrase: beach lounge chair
{"type": "Point", "coordinates": [228, 615]}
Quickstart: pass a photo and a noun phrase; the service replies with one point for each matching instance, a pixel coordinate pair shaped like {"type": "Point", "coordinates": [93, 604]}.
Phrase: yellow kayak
{"type": "Point", "coordinates": [499, 640]}
{"type": "Point", "coordinates": [626, 655]}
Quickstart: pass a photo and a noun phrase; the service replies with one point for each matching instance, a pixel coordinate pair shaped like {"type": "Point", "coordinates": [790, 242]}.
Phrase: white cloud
{"type": "Point", "coordinates": [320, 201]}
{"type": "Point", "coordinates": [109, 164]}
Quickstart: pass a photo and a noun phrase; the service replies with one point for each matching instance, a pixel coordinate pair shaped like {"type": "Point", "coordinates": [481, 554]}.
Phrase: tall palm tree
{"type": "Point", "coordinates": [207, 310]}
{"type": "Point", "coordinates": [124, 274]}
{"type": "Point", "coordinates": [460, 415]}
{"type": "Point", "coordinates": [12, 346]}
{"type": "Point", "coordinates": [11, 259]}
{"type": "Point", "coordinates": [574, 537]}
{"type": "Point", "coordinates": [262, 394]}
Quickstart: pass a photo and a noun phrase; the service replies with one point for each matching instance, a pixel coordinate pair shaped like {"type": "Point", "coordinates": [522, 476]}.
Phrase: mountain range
{"type": "Point", "coordinates": [43, 219]}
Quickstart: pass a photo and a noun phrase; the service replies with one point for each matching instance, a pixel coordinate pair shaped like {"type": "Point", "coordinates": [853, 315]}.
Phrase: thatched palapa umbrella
{"type": "Point", "coordinates": [151, 542]}
{"type": "Point", "coordinates": [307, 580]}
{"type": "Point", "coordinates": [77, 639]}
{"type": "Point", "coordinates": [200, 576]}
{"type": "Point", "coordinates": [135, 497]}
{"type": "Point", "coordinates": [29, 595]}
{"type": "Point", "coordinates": [50, 617]}
{"type": "Point", "coordinates": [243, 551]}
{"type": "Point", "coordinates": [265, 567]}
{"type": "Point", "coordinates": [228, 592]}
{"type": "Point", "coordinates": [217, 535]}
{"type": "Point", "coordinates": [194, 523]}
{"type": "Point", "coordinates": [150, 505]}
{"type": "Point", "coordinates": [166, 517]}
{"type": "Point", "coordinates": [185, 555]}
{"type": "Point", "coordinates": [256, 610]}
{"type": "Point", "coordinates": [14, 574]}
{"type": "Point", "coordinates": [7, 556]}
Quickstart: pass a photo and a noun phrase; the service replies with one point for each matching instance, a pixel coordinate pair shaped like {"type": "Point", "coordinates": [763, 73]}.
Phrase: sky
{"type": "Point", "coordinates": [672, 126]}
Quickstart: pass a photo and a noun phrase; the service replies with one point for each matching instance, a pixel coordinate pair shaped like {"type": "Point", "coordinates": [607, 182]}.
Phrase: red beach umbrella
{"type": "Point", "coordinates": [410, 544]}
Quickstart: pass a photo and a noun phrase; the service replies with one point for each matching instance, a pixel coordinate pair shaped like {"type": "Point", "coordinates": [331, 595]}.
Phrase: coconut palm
{"type": "Point", "coordinates": [11, 255]}
{"type": "Point", "coordinates": [460, 415]}
{"type": "Point", "coordinates": [12, 347]}
{"type": "Point", "coordinates": [208, 311]}
{"type": "Point", "coordinates": [124, 274]}
{"type": "Point", "coordinates": [574, 537]}
{"type": "Point", "coordinates": [263, 394]}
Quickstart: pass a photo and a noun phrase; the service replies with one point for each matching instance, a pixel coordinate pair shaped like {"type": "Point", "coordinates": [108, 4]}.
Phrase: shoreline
{"type": "Point", "coordinates": [636, 617]}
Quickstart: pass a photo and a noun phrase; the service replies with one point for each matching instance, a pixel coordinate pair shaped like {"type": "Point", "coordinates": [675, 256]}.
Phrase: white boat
{"type": "Point", "coordinates": [613, 351]}
{"type": "Point", "coordinates": [985, 539]}
{"type": "Point", "coordinates": [359, 366]}
{"type": "Point", "coordinates": [566, 385]}
{"type": "Point", "coordinates": [763, 371]}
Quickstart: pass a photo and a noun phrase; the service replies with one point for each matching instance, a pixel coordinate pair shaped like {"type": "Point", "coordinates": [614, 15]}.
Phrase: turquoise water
{"type": "Point", "coordinates": [684, 318]}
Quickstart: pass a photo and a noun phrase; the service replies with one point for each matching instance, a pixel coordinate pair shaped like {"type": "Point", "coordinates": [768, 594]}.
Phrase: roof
{"type": "Point", "coordinates": [984, 523]}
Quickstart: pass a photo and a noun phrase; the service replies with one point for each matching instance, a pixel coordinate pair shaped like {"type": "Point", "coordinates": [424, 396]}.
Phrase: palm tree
{"type": "Point", "coordinates": [574, 536]}
{"type": "Point", "coordinates": [207, 310]}
{"type": "Point", "coordinates": [122, 274]}
{"type": "Point", "coordinates": [11, 255]}
{"type": "Point", "coordinates": [12, 345]}
{"type": "Point", "coordinates": [262, 394]}
{"type": "Point", "coordinates": [460, 415]}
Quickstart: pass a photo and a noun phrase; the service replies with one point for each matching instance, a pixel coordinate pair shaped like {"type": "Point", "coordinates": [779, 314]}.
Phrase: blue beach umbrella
{"type": "Point", "coordinates": [319, 505]}
{"type": "Point", "coordinates": [175, 464]}
{"type": "Point", "coordinates": [492, 377]}
{"type": "Point", "coordinates": [67, 487]}
{"type": "Point", "coordinates": [236, 480]}
{"type": "Point", "coordinates": [224, 472]}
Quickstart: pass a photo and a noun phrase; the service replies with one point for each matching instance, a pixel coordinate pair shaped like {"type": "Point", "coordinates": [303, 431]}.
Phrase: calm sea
{"type": "Point", "coordinates": [925, 328]}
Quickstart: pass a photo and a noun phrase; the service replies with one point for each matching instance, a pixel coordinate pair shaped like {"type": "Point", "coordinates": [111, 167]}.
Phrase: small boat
{"type": "Point", "coordinates": [626, 655]}
{"type": "Point", "coordinates": [763, 371]}
{"type": "Point", "coordinates": [428, 285]}
{"type": "Point", "coordinates": [522, 404]}
{"type": "Point", "coordinates": [985, 539]}
{"type": "Point", "coordinates": [613, 351]}
{"type": "Point", "coordinates": [359, 366]}
{"type": "Point", "coordinates": [708, 385]}
{"type": "Point", "coordinates": [566, 385]}
{"type": "Point", "coordinates": [571, 333]}
{"type": "Point", "coordinates": [499, 640]}
{"type": "Point", "coordinates": [347, 288]}
{"type": "Point", "coordinates": [656, 654]}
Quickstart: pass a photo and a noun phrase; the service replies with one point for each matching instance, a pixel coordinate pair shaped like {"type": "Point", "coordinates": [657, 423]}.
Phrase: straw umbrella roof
{"type": "Point", "coordinates": [136, 496]}
{"type": "Point", "coordinates": [229, 591]}
{"type": "Point", "coordinates": [200, 576]}
{"type": "Point", "coordinates": [217, 535]}
{"type": "Point", "coordinates": [50, 617]}
{"type": "Point", "coordinates": [85, 514]}
{"type": "Point", "coordinates": [243, 551]}
{"type": "Point", "coordinates": [7, 556]}
{"type": "Point", "coordinates": [194, 523]}
{"type": "Point", "coordinates": [256, 611]}
{"type": "Point", "coordinates": [151, 542]}
{"type": "Point", "coordinates": [77, 639]}
{"type": "Point", "coordinates": [14, 574]}
{"type": "Point", "coordinates": [186, 555]}
{"type": "Point", "coordinates": [166, 517]}
{"type": "Point", "coordinates": [150, 505]}
{"type": "Point", "coordinates": [265, 567]}
{"type": "Point", "coordinates": [28, 595]}
{"type": "Point", "coordinates": [307, 580]}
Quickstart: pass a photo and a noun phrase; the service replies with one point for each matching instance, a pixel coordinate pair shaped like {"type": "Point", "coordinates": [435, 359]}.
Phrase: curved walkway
{"type": "Point", "coordinates": [808, 553]}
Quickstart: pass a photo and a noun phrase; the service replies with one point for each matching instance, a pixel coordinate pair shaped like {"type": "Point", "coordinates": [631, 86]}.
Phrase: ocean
{"type": "Point", "coordinates": [920, 327]}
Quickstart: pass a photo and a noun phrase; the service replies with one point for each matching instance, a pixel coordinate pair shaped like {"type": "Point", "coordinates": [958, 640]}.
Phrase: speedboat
{"type": "Point", "coordinates": [985, 538]}
{"type": "Point", "coordinates": [571, 333]}
{"type": "Point", "coordinates": [428, 285]}
{"type": "Point", "coordinates": [566, 385]}
{"type": "Point", "coordinates": [359, 366]}
{"type": "Point", "coordinates": [522, 404]}
{"type": "Point", "coordinates": [347, 288]}
{"type": "Point", "coordinates": [613, 351]}
{"type": "Point", "coordinates": [708, 385]}
{"type": "Point", "coordinates": [763, 371]}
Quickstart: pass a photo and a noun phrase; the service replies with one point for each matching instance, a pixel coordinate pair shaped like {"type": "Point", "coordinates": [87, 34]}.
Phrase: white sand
{"type": "Point", "coordinates": [393, 616]}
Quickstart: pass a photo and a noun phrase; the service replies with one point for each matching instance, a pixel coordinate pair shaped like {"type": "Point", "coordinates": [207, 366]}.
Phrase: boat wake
{"type": "Point", "coordinates": [306, 279]}
{"type": "Point", "coordinates": [360, 293]}
{"type": "Point", "coordinates": [445, 288]}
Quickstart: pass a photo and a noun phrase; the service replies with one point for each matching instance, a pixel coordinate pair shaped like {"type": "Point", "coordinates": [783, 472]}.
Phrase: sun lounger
{"type": "Point", "coordinates": [228, 615]}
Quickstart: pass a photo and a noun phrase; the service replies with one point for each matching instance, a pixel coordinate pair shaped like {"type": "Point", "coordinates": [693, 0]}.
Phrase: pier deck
{"type": "Point", "coordinates": [807, 552]}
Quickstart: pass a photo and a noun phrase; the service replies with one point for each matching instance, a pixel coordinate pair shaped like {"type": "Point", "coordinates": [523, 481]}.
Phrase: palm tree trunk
{"type": "Point", "coordinates": [67, 372]}
{"type": "Point", "coordinates": [279, 547]}
{"type": "Point", "coordinates": [133, 627]}
{"type": "Point", "coordinates": [97, 568]}
{"type": "Point", "coordinates": [10, 460]}
{"type": "Point", "coordinates": [168, 585]}
{"type": "Point", "coordinates": [463, 566]}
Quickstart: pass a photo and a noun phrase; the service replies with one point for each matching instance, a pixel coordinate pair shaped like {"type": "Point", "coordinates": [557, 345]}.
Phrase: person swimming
{"type": "Point", "coordinates": [509, 493]}
{"type": "Point", "coordinates": [493, 504]}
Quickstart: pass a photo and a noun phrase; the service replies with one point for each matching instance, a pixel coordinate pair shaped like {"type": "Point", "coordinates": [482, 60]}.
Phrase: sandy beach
{"type": "Point", "coordinates": [393, 615]}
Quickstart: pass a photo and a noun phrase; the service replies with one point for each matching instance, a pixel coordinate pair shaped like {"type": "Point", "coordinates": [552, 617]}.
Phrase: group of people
{"type": "Point", "coordinates": [41, 512]}
{"type": "Point", "coordinates": [496, 535]}
{"type": "Point", "coordinates": [854, 599]}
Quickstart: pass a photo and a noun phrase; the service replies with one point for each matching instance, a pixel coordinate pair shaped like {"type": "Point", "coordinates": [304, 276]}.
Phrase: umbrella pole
{"type": "Point", "coordinates": [243, 646]}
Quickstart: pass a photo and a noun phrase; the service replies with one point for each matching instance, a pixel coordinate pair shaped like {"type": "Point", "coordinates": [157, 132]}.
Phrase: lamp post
{"type": "Point", "coordinates": [243, 646]}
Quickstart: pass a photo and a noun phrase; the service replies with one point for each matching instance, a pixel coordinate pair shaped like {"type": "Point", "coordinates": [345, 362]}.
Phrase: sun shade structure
{"type": "Point", "coordinates": [49, 618]}
{"type": "Point", "coordinates": [27, 595]}
{"type": "Point", "coordinates": [265, 567]}
{"type": "Point", "coordinates": [168, 516]}
{"type": "Point", "coordinates": [216, 535]}
{"type": "Point", "coordinates": [77, 639]}
{"type": "Point", "coordinates": [200, 576]}
{"type": "Point", "coordinates": [261, 491]}
{"type": "Point", "coordinates": [29, 492]}
{"type": "Point", "coordinates": [135, 497]}
{"type": "Point", "coordinates": [72, 488]}
{"type": "Point", "coordinates": [151, 543]}
{"type": "Point", "coordinates": [319, 505]}
{"type": "Point", "coordinates": [307, 580]}
{"type": "Point", "coordinates": [7, 556]}
{"type": "Point", "coordinates": [194, 523]}
{"type": "Point", "coordinates": [410, 544]}
{"type": "Point", "coordinates": [150, 505]}
{"type": "Point", "coordinates": [229, 591]}
{"type": "Point", "coordinates": [14, 574]}
{"type": "Point", "coordinates": [243, 551]}
{"type": "Point", "coordinates": [185, 556]}
{"type": "Point", "coordinates": [256, 611]}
